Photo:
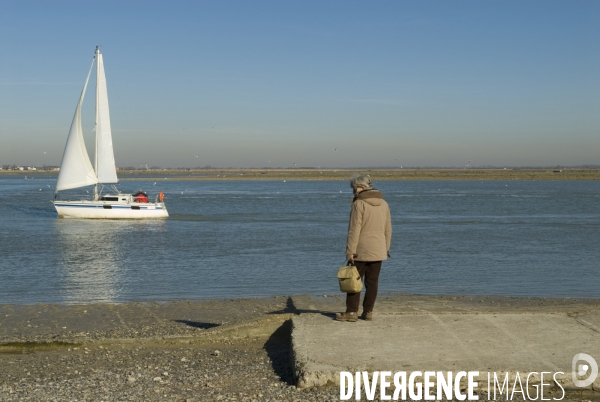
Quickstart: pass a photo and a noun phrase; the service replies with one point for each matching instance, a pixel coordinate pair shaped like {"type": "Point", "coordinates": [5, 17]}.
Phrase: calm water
{"type": "Point", "coordinates": [246, 239]}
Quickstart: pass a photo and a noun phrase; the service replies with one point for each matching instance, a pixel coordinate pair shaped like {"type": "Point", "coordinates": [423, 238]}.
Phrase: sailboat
{"type": "Point", "coordinates": [76, 169]}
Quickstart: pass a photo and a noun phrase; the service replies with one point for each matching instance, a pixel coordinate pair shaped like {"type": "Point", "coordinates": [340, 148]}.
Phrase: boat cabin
{"type": "Point", "coordinates": [113, 198]}
{"type": "Point", "coordinates": [139, 197]}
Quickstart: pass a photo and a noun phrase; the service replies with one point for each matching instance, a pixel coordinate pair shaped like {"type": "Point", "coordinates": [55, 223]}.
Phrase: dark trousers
{"type": "Point", "coordinates": [369, 272]}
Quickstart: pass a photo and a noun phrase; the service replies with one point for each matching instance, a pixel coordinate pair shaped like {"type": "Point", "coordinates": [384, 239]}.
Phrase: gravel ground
{"type": "Point", "coordinates": [229, 350]}
{"type": "Point", "coordinates": [249, 369]}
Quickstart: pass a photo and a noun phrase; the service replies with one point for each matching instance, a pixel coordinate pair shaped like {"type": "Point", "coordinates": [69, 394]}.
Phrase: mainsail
{"type": "Point", "coordinates": [105, 159]}
{"type": "Point", "coordinates": [75, 168]}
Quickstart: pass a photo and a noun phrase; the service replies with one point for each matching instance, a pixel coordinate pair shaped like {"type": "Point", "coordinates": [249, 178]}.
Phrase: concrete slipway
{"type": "Point", "coordinates": [412, 333]}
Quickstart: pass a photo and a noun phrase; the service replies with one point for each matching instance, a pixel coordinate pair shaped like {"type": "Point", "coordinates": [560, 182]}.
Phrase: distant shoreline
{"type": "Point", "coordinates": [344, 174]}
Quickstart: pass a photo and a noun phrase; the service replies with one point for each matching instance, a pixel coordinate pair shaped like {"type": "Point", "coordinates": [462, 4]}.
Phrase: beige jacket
{"type": "Point", "coordinates": [370, 227]}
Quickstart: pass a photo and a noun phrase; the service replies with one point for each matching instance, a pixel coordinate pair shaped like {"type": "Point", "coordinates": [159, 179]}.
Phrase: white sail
{"type": "Point", "coordinates": [105, 159]}
{"type": "Point", "coordinates": [76, 169]}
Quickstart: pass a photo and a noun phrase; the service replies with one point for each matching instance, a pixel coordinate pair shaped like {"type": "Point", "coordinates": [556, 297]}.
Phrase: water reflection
{"type": "Point", "coordinates": [94, 261]}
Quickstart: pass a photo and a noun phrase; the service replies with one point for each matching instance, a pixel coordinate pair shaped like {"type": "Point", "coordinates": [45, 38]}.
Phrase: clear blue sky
{"type": "Point", "coordinates": [278, 83]}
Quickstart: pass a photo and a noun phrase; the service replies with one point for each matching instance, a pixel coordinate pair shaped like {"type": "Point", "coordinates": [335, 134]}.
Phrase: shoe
{"type": "Point", "coordinates": [349, 317]}
{"type": "Point", "coordinates": [367, 316]}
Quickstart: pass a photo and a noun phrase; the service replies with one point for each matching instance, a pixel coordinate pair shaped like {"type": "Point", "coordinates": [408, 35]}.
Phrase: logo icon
{"type": "Point", "coordinates": [580, 369]}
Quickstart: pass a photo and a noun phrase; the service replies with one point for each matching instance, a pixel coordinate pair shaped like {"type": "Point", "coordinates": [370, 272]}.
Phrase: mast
{"type": "Point", "coordinates": [96, 121]}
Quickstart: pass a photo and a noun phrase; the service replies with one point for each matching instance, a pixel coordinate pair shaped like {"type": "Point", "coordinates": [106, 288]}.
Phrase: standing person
{"type": "Point", "coordinates": [369, 236]}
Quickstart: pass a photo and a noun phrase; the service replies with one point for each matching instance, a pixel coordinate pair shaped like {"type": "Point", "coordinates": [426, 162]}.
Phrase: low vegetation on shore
{"type": "Point", "coordinates": [344, 174]}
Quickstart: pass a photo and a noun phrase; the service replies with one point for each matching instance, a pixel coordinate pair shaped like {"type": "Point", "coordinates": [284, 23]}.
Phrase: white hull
{"type": "Point", "coordinates": [110, 210]}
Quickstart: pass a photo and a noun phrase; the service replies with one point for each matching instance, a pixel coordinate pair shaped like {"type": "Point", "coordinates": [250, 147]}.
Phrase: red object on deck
{"type": "Point", "coordinates": [140, 197]}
